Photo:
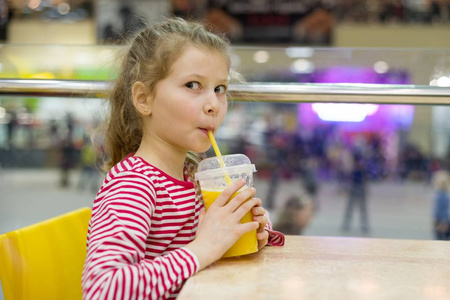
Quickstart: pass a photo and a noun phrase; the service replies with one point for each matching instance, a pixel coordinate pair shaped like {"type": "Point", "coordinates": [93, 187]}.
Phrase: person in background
{"type": "Point", "coordinates": [89, 175]}
{"type": "Point", "coordinates": [310, 182]}
{"type": "Point", "coordinates": [68, 158]}
{"type": "Point", "coordinates": [149, 231]}
{"type": "Point", "coordinates": [357, 194]}
{"type": "Point", "coordinates": [5, 19]}
{"type": "Point", "coordinates": [132, 22]}
{"type": "Point", "coordinates": [67, 161]}
{"type": "Point", "coordinates": [441, 220]}
{"type": "Point", "coordinates": [295, 215]}
{"type": "Point", "coordinates": [11, 127]}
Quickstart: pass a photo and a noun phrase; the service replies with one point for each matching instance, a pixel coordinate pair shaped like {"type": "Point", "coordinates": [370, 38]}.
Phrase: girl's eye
{"type": "Point", "coordinates": [220, 89]}
{"type": "Point", "coordinates": [193, 85]}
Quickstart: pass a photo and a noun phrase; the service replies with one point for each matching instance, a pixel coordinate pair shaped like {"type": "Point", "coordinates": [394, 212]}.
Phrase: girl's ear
{"type": "Point", "coordinates": [141, 100]}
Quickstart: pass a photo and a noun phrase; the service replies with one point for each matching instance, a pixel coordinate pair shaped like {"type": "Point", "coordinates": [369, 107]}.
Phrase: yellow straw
{"type": "Point", "coordinates": [219, 155]}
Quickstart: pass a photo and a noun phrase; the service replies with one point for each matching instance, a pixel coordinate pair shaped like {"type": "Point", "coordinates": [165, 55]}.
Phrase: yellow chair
{"type": "Point", "coordinates": [45, 260]}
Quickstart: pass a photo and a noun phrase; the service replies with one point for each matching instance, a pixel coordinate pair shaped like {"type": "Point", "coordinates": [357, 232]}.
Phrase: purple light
{"type": "Point", "coordinates": [387, 117]}
{"type": "Point", "coordinates": [343, 112]}
{"type": "Point", "coordinates": [357, 117]}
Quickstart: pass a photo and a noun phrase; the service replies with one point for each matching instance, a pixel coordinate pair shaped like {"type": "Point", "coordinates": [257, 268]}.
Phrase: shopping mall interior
{"type": "Point", "coordinates": [309, 155]}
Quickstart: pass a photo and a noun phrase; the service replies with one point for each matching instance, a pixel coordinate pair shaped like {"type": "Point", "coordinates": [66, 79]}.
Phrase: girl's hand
{"type": "Point", "coordinates": [220, 227]}
{"type": "Point", "coordinates": [259, 216]}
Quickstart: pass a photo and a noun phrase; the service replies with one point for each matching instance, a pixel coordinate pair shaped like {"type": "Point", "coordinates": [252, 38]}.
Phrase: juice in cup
{"type": "Point", "coordinates": [216, 174]}
{"type": "Point", "coordinates": [247, 243]}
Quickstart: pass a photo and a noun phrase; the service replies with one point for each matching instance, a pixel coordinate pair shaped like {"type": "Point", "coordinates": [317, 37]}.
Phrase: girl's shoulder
{"type": "Point", "coordinates": [137, 166]}
{"type": "Point", "coordinates": [133, 164]}
{"type": "Point", "coordinates": [131, 169]}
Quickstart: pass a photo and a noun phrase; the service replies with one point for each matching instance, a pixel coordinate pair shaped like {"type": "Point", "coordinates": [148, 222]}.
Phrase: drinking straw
{"type": "Point", "coordinates": [219, 155]}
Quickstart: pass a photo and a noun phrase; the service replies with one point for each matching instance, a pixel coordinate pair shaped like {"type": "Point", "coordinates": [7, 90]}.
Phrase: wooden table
{"type": "Point", "coordinates": [330, 268]}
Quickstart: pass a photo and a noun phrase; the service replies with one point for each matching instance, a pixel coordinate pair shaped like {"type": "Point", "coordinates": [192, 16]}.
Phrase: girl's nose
{"type": "Point", "coordinates": [211, 104]}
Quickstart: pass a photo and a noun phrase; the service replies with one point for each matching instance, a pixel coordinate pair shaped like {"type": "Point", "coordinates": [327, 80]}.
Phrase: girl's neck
{"type": "Point", "coordinates": [167, 159]}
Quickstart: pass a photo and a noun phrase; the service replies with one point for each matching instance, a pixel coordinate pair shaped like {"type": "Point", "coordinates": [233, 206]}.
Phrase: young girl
{"type": "Point", "coordinates": [149, 232]}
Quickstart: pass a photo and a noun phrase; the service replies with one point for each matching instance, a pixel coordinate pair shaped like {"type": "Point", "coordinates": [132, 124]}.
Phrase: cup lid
{"type": "Point", "coordinates": [231, 162]}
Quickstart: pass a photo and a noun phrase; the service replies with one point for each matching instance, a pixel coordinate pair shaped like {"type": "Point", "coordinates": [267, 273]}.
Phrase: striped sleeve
{"type": "Point", "coordinates": [276, 238]}
{"type": "Point", "coordinates": [116, 267]}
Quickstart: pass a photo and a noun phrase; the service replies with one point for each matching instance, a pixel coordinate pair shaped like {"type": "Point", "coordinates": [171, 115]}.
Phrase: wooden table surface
{"type": "Point", "coordinates": [330, 268]}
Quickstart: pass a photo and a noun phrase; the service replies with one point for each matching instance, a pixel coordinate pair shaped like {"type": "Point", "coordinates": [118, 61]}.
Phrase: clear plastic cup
{"type": "Point", "coordinates": [213, 180]}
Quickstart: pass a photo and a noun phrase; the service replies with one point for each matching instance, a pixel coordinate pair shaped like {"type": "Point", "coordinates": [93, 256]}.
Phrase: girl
{"type": "Point", "coordinates": [148, 232]}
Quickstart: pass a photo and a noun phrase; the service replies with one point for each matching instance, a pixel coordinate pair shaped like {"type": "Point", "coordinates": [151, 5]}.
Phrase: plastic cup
{"type": "Point", "coordinates": [214, 179]}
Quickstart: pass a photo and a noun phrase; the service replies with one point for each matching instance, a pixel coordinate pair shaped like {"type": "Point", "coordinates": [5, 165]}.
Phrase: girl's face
{"type": "Point", "coordinates": [190, 101]}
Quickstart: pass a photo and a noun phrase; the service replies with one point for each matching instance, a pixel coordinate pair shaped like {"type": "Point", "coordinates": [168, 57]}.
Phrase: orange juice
{"type": "Point", "coordinates": [247, 243]}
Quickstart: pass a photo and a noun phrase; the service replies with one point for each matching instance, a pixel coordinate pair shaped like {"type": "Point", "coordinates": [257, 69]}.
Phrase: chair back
{"type": "Point", "coordinates": [45, 260]}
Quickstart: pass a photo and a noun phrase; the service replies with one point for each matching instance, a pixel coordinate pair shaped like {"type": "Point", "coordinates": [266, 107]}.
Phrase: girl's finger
{"type": "Point", "coordinates": [258, 210]}
{"type": "Point", "coordinates": [262, 235]}
{"type": "Point", "coordinates": [228, 192]}
{"type": "Point", "coordinates": [240, 198]}
{"type": "Point", "coordinates": [247, 227]}
{"type": "Point", "coordinates": [262, 220]}
{"type": "Point", "coordinates": [260, 202]}
{"type": "Point", "coordinates": [244, 208]}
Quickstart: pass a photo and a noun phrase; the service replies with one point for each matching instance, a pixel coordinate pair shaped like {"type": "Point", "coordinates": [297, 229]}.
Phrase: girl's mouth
{"type": "Point", "coordinates": [205, 130]}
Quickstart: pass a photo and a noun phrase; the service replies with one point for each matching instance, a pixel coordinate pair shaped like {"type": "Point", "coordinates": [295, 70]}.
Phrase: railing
{"type": "Point", "coordinates": [267, 92]}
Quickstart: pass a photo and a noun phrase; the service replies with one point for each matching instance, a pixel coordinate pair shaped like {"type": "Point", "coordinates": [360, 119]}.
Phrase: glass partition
{"type": "Point", "coordinates": [328, 129]}
{"type": "Point", "coordinates": [344, 65]}
{"type": "Point", "coordinates": [317, 165]}
{"type": "Point", "coordinates": [256, 64]}
{"type": "Point", "coordinates": [94, 62]}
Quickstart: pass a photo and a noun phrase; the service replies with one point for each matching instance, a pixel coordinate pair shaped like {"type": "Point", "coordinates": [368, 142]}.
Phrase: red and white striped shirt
{"type": "Point", "coordinates": [141, 220]}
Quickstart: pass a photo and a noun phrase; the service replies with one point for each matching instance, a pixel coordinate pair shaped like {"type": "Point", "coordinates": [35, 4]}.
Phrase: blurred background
{"type": "Point", "coordinates": [327, 169]}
